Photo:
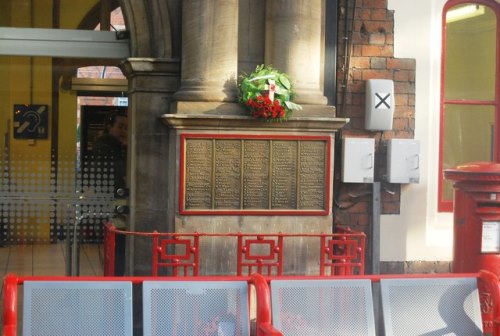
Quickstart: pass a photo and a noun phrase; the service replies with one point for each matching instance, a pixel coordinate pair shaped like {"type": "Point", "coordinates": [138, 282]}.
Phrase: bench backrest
{"type": "Point", "coordinates": [77, 308]}
{"type": "Point", "coordinates": [432, 307]}
{"type": "Point", "coordinates": [196, 308]}
{"type": "Point", "coordinates": [323, 307]}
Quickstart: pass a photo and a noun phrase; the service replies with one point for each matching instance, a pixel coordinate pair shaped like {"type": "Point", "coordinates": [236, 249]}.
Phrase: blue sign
{"type": "Point", "coordinates": [31, 121]}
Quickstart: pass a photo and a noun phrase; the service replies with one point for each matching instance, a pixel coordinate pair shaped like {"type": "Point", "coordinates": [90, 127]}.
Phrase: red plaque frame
{"type": "Point", "coordinates": [266, 212]}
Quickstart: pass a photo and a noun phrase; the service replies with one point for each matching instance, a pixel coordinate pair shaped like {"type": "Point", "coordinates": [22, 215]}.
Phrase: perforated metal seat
{"type": "Point", "coordinates": [323, 307]}
{"type": "Point", "coordinates": [195, 308]}
{"type": "Point", "coordinates": [77, 308]}
{"type": "Point", "coordinates": [431, 307]}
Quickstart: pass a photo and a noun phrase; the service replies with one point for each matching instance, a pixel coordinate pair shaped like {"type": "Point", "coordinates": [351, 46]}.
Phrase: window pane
{"type": "Point", "coordinates": [468, 137]}
{"type": "Point", "coordinates": [470, 53]}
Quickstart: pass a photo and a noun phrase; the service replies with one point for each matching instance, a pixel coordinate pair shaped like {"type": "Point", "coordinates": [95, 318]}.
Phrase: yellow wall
{"type": "Point", "coordinates": [28, 80]}
{"type": "Point", "coordinates": [72, 12]}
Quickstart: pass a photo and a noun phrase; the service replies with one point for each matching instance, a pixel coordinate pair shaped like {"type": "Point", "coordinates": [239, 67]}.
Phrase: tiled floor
{"type": "Point", "coordinates": [48, 259]}
{"type": "Point", "coordinates": [40, 260]}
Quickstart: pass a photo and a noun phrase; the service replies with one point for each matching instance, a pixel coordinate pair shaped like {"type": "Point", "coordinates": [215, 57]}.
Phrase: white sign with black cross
{"type": "Point", "coordinates": [383, 101]}
{"type": "Point", "coordinates": [379, 104]}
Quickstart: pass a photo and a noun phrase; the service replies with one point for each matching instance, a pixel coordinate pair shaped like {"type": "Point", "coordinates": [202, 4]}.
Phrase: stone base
{"type": "Point", "coordinates": [202, 119]}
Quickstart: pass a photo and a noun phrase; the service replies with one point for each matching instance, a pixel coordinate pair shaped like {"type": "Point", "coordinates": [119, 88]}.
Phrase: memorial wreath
{"type": "Point", "coordinates": [267, 94]}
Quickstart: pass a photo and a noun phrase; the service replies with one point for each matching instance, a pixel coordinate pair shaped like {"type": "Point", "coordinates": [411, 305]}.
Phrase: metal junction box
{"type": "Point", "coordinates": [403, 161]}
{"type": "Point", "coordinates": [358, 160]}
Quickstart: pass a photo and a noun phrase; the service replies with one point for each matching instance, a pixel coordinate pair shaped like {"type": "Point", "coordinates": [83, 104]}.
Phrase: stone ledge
{"type": "Point", "coordinates": [245, 123]}
{"type": "Point", "coordinates": [220, 115]}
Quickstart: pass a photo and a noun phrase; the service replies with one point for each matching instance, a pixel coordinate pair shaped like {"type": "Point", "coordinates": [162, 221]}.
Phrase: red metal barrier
{"type": "Point", "coordinates": [340, 253]}
{"type": "Point", "coordinates": [12, 309]}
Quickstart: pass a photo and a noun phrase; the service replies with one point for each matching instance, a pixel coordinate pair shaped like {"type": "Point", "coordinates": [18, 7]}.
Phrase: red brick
{"type": "Point", "coordinates": [360, 62]}
{"type": "Point", "coordinates": [356, 74]}
{"type": "Point", "coordinates": [377, 74]}
{"type": "Point", "coordinates": [374, 50]}
{"type": "Point", "coordinates": [358, 38]}
{"type": "Point", "coordinates": [361, 220]}
{"type": "Point", "coordinates": [379, 14]}
{"type": "Point", "coordinates": [363, 14]}
{"type": "Point", "coordinates": [391, 208]}
{"type": "Point", "coordinates": [404, 87]}
{"type": "Point", "coordinates": [393, 196]}
{"type": "Point", "coordinates": [355, 110]}
{"type": "Point", "coordinates": [401, 99]}
{"type": "Point", "coordinates": [411, 99]}
{"type": "Point", "coordinates": [358, 99]}
{"type": "Point", "coordinates": [377, 39]}
{"type": "Point", "coordinates": [412, 124]}
{"type": "Point", "coordinates": [403, 134]}
{"type": "Point", "coordinates": [374, 3]}
{"type": "Point", "coordinates": [358, 26]}
{"type": "Point", "coordinates": [404, 111]}
{"type": "Point", "coordinates": [389, 38]}
{"type": "Point", "coordinates": [388, 51]}
{"type": "Point", "coordinates": [401, 63]}
{"type": "Point", "coordinates": [354, 133]}
{"type": "Point", "coordinates": [400, 124]}
{"type": "Point", "coordinates": [404, 75]}
{"type": "Point", "coordinates": [390, 15]}
{"type": "Point", "coordinates": [379, 26]}
{"type": "Point", "coordinates": [357, 50]}
{"type": "Point", "coordinates": [356, 86]}
{"type": "Point", "coordinates": [378, 63]}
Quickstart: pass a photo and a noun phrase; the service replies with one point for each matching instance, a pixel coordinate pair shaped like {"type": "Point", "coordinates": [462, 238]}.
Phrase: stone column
{"type": "Point", "coordinates": [294, 44]}
{"type": "Point", "coordinates": [152, 83]}
{"type": "Point", "coordinates": [209, 51]}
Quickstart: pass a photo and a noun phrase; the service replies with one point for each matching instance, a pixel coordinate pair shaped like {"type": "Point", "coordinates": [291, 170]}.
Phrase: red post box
{"type": "Point", "coordinates": [476, 217]}
{"type": "Point", "coordinates": [476, 212]}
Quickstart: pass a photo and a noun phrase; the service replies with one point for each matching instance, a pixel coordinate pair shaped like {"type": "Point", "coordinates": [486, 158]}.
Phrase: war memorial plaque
{"type": "Point", "coordinates": [244, 174]}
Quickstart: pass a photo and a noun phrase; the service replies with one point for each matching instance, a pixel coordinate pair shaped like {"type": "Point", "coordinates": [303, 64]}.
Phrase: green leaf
{"type": "Point", "coordinates": [284, 81]}
{"type": "Point", "coordinates": [293, 106]}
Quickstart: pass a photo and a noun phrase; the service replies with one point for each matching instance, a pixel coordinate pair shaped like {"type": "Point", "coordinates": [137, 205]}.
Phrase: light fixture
{"type": "Point", "coordinates": [464, 12]}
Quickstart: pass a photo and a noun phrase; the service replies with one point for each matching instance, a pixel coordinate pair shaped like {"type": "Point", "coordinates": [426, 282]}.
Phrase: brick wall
{"type": "Point", "coordinates": [372, 57]}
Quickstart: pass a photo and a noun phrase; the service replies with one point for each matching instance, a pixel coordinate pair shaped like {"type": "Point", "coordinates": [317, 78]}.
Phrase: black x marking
{"type": "Point", "coordinates": [383, 100]}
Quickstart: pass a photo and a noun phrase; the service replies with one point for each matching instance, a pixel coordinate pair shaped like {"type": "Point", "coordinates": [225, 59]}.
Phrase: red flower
{"type": "Point", "coordinates": [264, 107]}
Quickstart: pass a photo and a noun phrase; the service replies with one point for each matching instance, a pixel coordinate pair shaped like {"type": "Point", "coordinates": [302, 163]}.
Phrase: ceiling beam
{"type": "Point", "coordinates": [63, 43]}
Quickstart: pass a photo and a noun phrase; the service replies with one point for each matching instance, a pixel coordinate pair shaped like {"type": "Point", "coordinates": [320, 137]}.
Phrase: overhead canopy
{"type": "Point", "coordinates": [64, 43]}
{"type": "Point", "coordinates": [100, 86]}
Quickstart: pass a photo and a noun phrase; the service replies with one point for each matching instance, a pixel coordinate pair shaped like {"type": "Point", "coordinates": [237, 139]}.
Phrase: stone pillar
{"type": "Point", "coordinates": [294, 31]}
{"type": "Point", "coordinates": [209, 51]}
{"type": "Point", "coordinates": [152, 83]}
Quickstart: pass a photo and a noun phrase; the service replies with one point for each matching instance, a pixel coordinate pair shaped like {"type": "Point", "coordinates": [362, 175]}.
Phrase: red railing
{"type": "Point", "coordinates": [180, 254]}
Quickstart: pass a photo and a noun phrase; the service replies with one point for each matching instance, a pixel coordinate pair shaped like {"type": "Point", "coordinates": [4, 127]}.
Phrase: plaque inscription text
{"type": "Point", "coordinates": [248, 174]}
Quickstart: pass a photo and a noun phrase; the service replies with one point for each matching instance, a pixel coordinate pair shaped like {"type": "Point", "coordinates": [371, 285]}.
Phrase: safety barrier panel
{"type": "Point", "coordinates": [415, 304]}
{"type": "Point", "coordinates": [174, 306]}
{"type": "Point", "coordinates": [179, 254]}
{"type": "Point", "coordinates": [412, 304]}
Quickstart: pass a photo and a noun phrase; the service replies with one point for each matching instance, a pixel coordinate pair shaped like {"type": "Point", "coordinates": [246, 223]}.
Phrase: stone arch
{"type": "Point", "coordinates": [155, 27]}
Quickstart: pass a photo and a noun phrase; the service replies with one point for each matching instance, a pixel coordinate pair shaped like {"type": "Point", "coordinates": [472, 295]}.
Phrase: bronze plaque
{"type": "Point", "coordinates": [256, 156]}
{"type": "Point", "coordinates": [223, 174]}
{"type": "Point", "coordinates": [284, 174]}
{"type": "Point", "coordinates": [199, 166]}
{"type": "Point", "coordinates": [227, 170]}
{"type": "Point", "coordinates": [312, 176]}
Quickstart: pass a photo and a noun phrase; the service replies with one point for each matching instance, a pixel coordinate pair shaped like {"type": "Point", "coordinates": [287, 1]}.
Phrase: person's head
{"type": "Point", "coordinates": [116, 125]}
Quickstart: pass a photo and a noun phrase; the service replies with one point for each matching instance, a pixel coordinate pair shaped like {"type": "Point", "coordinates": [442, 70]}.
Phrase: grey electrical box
{"type": "Point", "coordinates": [403, 161]}
{"type": "Point", "coordinates": [379, 104]}
{"type": "Point", "coordinates": [358, 160]}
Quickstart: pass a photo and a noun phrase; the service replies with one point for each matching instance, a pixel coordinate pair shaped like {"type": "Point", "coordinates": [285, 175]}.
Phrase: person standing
{"type": "Point", "coordinates": [110, 149]}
